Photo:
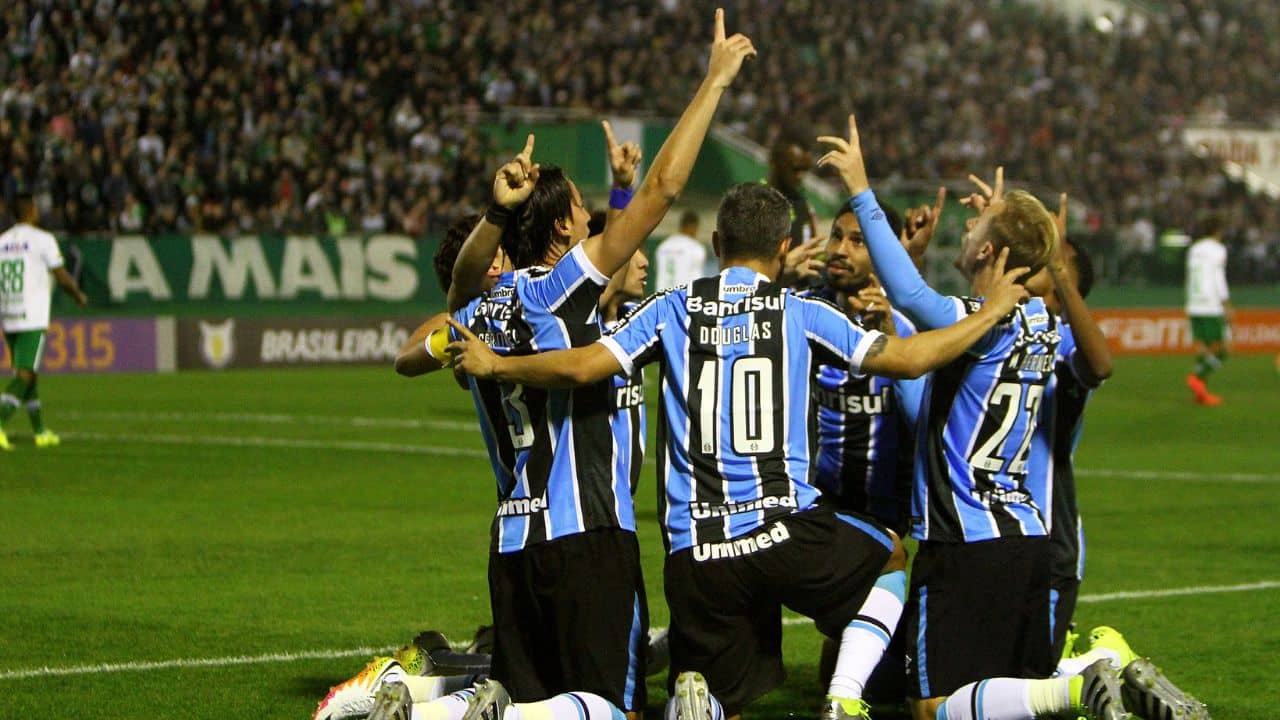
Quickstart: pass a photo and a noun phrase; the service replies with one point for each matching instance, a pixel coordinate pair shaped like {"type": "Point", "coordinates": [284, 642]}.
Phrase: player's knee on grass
{"type": "Point", "coordinates": [898, 557]}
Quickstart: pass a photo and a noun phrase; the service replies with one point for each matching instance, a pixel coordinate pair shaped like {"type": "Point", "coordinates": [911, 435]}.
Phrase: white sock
{"type": "Point", "coordinates": [424, 688]}
{"type": "Point", "coordinates": [863, 643]}
{"type": "Point", "coordinates": [566, 706]}
{"type": "Point", "coordinates": [1076, 665]}
{"type": "Point", "coordinates": [1006, 699]}
{"type": "Point", "coordinates": [449, 707]}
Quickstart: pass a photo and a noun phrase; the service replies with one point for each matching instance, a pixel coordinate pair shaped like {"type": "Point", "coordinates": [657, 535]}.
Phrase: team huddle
{"type": "Point", "coordinates": [802, 432]}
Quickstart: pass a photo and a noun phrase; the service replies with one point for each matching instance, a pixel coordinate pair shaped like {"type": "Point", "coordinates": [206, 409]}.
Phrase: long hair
{"type": "Point", "coordinates": [532, 228]}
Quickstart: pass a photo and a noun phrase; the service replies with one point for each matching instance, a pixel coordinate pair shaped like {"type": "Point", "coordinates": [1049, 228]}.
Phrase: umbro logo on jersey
{"type": "Point", "coordinates": [745, 545]}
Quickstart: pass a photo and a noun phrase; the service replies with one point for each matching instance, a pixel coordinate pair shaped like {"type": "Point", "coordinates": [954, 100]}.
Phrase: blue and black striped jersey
{"type": "Point", "coordinates": [629, 422]}
{"type": "Point", "coordinates": [735, 433]}
{"type": "Point", "coordinates": [975, 430]}
{"type": "Point", "coordinates": [563, 459]}
{"type": "Point", "coordinates": [865, 441]}
{"type": "Point", "coordinates": [1050, 476]}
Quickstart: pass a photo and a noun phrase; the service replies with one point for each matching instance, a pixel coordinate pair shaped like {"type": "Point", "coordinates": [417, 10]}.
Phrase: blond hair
{"type": "Point", "coordinates": [1027, 229]}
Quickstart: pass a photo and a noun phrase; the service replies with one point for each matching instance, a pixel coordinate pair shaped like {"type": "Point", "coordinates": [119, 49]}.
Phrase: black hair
{"type": "Point", "coordinates": [1084, 268]}
{"type": "Point", "coordinates": [595, 225]}
{"type": "Point", "coordinates": [890, 213]}
{"type": "Point", "coordinates": [687, 218]}
{"type": "Point", "coordinates": [532, 227]}
{"type": "Point", "coordinates": [753, 221]}
{"type": "Point", "coordinates": [447, 252]}
{"type": "Point", "coordinates": [1209, 224]}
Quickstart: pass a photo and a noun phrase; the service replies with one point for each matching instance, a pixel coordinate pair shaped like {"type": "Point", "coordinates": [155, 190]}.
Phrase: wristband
{"type": "Point", "coordinates": [619, 198]}
{"type": "Point", "coordinates": [497, 215]}
{"type": "Point", "coordinates": [437, 341]}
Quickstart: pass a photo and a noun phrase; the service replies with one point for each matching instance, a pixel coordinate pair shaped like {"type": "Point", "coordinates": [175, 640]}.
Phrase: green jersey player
{"type": "Point", "coordinates": [28, 255]}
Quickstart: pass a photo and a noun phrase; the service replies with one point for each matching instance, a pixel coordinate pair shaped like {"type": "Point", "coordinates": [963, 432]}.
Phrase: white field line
{"type": "Point", "coordinates": [367, 651]}
{"type": "Point", "coordinates": [273, 442]}
{"type": "Point", "coordinates": [1179, 475]}
{"type": "Point", "coordinates": [270, 419]}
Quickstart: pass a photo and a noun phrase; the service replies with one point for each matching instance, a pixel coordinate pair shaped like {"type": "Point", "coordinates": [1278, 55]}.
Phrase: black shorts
{"type": "Point", "coordinates": [726, 598]}
{"type": "Point", "coordinates": [976, 611]}
{"type": "Point", "coordinates": [570, 614]}
{"type": "Point", "coordinates": [1062, 606]}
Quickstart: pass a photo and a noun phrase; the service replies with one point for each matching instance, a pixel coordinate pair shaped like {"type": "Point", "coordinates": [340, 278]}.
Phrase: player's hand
{"type": "Point", "coordinates": [804, 261]}
{"type": "Point", "coordinates": [514, 182]}
{"type": "Point", "coordinates": [470, 354]}
{"type": "Point", "coordinates": [1006, 292]}
{"type": "Point", "coordinates": [987, 195]}
{"type": "Point", "coordinates": [1058, 263]}
{"type": "Point", "coordinates": [871, 305]}
{"type": "Point", "coordinates": [846, 157]}
{"type": "Point", "coordinates": [727, 54]}
{"type": "Point", "coordinates": [921, 224]}
{"type": "Point", "coordinates": [624, 159]}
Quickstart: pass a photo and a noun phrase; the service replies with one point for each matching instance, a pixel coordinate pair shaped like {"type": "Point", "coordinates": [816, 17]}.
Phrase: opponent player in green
{"type": "Point", "coordinates": [27, 257]}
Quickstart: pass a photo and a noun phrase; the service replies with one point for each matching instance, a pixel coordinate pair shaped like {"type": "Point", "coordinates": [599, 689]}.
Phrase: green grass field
{"type": "Point", "coordinates": [226, 517]}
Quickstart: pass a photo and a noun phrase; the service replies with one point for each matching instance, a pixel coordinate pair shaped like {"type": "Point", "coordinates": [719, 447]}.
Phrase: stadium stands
{"type": "Point", "coordinates": [225, 115]}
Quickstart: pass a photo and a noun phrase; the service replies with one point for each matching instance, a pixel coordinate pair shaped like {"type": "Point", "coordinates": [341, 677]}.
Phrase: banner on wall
{"type": "Point", "coordinates": [103, 345]}
{"type": "Point", "coordinates": [237, 342]}
{"type": "Point", "coordinates": [1167, 331]}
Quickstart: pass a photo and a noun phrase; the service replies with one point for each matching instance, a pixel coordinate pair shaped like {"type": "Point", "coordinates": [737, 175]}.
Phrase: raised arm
{"type": "Point", "coordinates": [667, 176]}
{"type": "Point", "coordinates": [1090, 342]}
{"type": "Point", "coordinates": [512, 184]}
{"type": "Point", "coordinates": [914, 356]}
{"type": "Point", "coordinates": [893, 265]}
{"type": "Point", "coordinates": [553, 369]}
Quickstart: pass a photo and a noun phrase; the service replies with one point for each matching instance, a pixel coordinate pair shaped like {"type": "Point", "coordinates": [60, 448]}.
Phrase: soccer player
{"type": "Point", "coordinates": [1208, 307]}
{"type": "Point", "coordinates": [28, 255]}
{"type": "Point", "coordinates": [746, 532]}
{"type": "Point", "coordinates": [562, 458]}
{"type": "Point", "coordinates": [788, 164]}
{"type": "Point", "coordinates": [415, 357]}
{"type": "Point", "coordinates": [1084, 362]}
{"type": "Point", "coordinates": [681, 258]}
{"type": "Point", "coordinates": [979, 590]}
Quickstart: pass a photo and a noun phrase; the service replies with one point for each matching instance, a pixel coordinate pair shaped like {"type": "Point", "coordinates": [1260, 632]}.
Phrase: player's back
{"type": "Point", "coordinates": [559, 467]}
{"type": "Point", "coordinates": [735, 431]}
{"type": "Point", "coordinates": [679, 259]}
{"type": "Point", "coordinates": [1206, 285]}
{"type": "Point", "coordinates": [27, 255]}
{"type": "Point", "coordinates": [975, 431]}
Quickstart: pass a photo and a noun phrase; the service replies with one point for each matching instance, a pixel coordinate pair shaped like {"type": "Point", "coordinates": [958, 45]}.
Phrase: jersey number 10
{"type": "Point", "coordinates": [750, 405]}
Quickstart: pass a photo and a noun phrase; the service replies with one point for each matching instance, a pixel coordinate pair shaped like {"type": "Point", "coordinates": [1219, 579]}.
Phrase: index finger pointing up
{"type": "Point", "coordinates": [853, 130]}
{"type": "Point", "coordinates": [719, 25]}
{"type": "Point", "coordinates": [528, 147]}
{"type": "Point", "coordinates": [608, 133]}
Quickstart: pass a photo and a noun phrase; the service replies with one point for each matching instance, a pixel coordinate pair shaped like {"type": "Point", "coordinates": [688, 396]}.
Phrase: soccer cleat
{"type": "Point", "coordinates": [1069, 644]}
{"type": "Point", "coordinates": [439, 658]}
{"type": "Point", "coordinates": [1147, 692]}
{"type": "Point", "coordinates": [1111, 639]}
{"type": "Point", "coordinates": [1209, 399]}
{"type": "Point", "coordinates": [844, 709]}
{"type": "Point", "coordinates": [47, 439]}
{"type": "Point", "coordinates": [393, 702]}
{"type": "Point", "coordinates": [1100, 692]}
{"type": "Point", "coordinates": [1197, 385]}
{"type": "Point", "coordinates": [489, 703]}
{"type": "Point", "coordinates": [4, 441]}
{"type": "Point", "coordinates": [692, 698]}
{"type": "Point", "coordinates": [482, 643]}
{"type": "Point", "coordinates": [355, 697]}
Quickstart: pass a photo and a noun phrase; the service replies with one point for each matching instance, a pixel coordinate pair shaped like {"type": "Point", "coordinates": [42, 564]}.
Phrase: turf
{"type": "Point", "coordinates": [219, 515]}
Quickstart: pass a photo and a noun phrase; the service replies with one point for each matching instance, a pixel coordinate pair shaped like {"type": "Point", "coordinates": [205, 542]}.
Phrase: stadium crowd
{"type": "Point", "coordinates": [225, 115]}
